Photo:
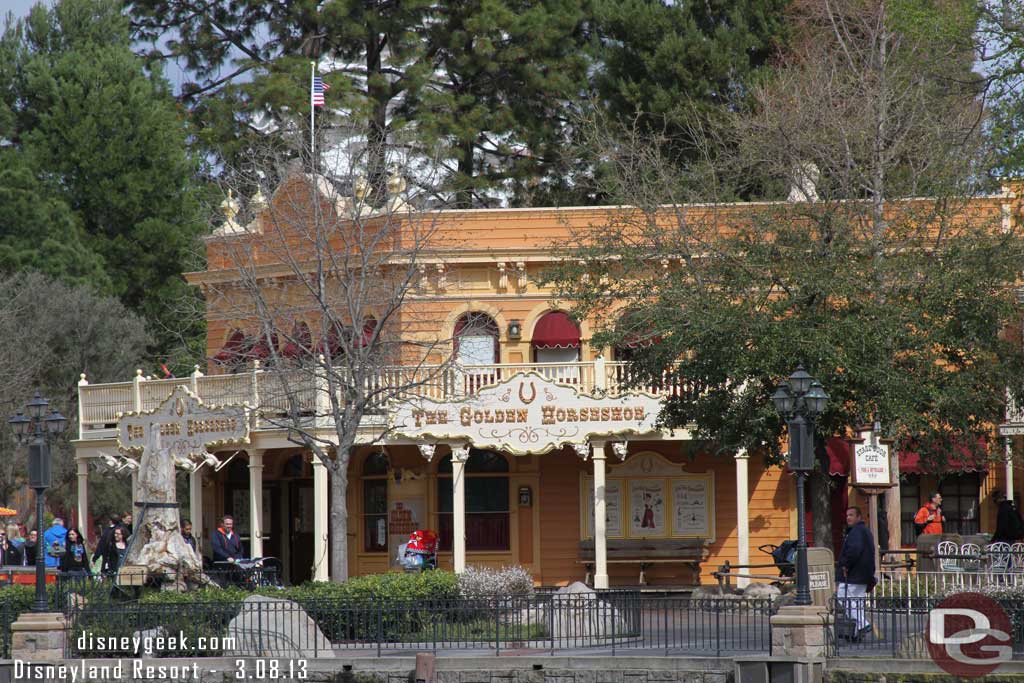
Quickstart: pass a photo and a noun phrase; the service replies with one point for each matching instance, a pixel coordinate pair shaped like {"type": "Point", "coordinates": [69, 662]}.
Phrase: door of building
{"type": "Point", "coordinates": [300, 515]}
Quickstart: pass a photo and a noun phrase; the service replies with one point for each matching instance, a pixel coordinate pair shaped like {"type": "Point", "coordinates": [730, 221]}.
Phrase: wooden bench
{"type": "Point", "coordinates": [647, 552]}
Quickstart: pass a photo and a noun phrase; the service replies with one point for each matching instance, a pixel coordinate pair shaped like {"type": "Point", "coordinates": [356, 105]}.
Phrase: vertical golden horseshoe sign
{"type": "Point", "coordinates": [533, 393]}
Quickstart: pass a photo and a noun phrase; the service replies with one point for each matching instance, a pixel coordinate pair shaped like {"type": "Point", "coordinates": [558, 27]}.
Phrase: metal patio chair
{"type": "Point", "coordinates": [998, 558]}
{"type": "Point", "coordinates": [972, 560]}
{"type": "Point", "coordinates": [947, 552]}
{"type": "Point", "coordinates": [1017, 558]}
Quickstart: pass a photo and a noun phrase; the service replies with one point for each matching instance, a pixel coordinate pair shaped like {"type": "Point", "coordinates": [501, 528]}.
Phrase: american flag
{"type": "Point", "coordinates": [319, 88]}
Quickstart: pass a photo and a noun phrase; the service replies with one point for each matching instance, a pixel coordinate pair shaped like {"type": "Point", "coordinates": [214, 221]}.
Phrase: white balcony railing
{"type": "Point", "coordinates": [274, 390]}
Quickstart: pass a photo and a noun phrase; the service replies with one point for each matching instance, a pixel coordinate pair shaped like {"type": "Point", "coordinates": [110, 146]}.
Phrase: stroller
{"type": "Point", "coordinates": [419, 553]}
{"type": "Point", "coordinates": [783, 555]}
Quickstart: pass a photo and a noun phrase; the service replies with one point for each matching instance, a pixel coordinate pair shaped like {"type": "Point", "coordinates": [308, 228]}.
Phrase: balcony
{"type": "Point", "coordinates": [268, 389]}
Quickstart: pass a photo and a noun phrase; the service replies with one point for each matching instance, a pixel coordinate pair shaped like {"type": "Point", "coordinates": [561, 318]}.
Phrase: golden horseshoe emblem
{"type": "Point", "coordinates": [533, 393]}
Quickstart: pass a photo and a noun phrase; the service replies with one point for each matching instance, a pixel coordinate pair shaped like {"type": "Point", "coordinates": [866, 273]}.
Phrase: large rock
{"type": "Point", "coordinates": [580, 616]}
{"type": "Point", "coordinates": [271, 627]}
{"type": "Point", "coordinates": [762, 590]}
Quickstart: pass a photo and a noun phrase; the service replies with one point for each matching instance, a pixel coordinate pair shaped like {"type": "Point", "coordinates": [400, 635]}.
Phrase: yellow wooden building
{"type": "Point", "coordinates": [503, 460]}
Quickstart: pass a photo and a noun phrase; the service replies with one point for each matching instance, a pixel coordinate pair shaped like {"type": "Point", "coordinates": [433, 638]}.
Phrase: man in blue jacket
{"type": "Point", "coordinates": [225, 543]}
{"type": "Point", "coordinates": [856, 567]}
{"type": "Point", "coordinates": [54, 544]}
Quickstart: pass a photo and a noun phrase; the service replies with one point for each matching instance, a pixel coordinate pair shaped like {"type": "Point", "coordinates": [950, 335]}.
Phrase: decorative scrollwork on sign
{"type": "Point", "coordinates": [548, 395]}
{"type": "Point", "coordinates": [620, 448]}
{"type": "Point", "coordinates": [582, 450]}
{"type": "Point", "coordinates": [427, 451]}
{"type": "Point", "coordinates": [507, 396]}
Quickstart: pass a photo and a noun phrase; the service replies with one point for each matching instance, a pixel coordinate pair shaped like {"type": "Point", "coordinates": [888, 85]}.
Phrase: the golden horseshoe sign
{"type": "Point", "coordinates": [533, 393]}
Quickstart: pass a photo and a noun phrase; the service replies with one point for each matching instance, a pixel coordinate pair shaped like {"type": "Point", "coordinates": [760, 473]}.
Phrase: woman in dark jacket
{"type": "Point", "coordinates": [75, 559]}
{"type": "Point", "coordinates": [116, 549]}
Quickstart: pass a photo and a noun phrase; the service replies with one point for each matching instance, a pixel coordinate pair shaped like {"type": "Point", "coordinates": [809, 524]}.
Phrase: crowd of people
{"type": "Point", "coordinates": [65, 549]}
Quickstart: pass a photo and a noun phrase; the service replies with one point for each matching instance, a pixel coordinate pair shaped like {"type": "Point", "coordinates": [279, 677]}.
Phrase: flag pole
{"type": "Point", "coordinates": [312, 118]}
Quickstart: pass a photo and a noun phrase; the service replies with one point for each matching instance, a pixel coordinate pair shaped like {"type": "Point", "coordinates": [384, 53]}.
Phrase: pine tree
{"type": "Point", "coordinates": [104, 138]}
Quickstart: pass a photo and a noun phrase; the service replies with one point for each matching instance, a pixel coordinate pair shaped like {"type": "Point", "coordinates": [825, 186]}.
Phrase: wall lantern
{"type": "Point", "coordinates": [525, 496]}
{"type": "Point", "coordinates": [515, 329]}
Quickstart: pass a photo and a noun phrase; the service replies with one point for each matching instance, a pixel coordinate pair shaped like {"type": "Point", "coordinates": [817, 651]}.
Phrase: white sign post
{"type": "Point", "coordinates": [872, 474]}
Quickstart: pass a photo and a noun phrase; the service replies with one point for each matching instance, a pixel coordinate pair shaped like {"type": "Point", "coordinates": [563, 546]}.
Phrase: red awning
{"type": "Point", "coordinates": [556, 330]}
{"type": "Point", "coordinates": [301, 342]}
{"type": "Point", "coordinates": [369, 326]}
{"type": "Point", "coordinates": [262, 347]}
{"type": "Point", "coordinates": [234, 349]}
{"type": "Point", "coordinates": [838, 456]}
{"type": "Point", "coordinates": [910, 463]}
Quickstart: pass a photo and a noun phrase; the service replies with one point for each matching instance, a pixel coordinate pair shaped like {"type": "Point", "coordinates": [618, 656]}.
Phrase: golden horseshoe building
{"type": "Point", "coordinates": [533, 455]}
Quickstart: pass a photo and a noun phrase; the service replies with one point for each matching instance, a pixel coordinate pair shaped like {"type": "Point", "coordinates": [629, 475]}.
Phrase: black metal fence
{"type": "Point", "coordinates": [609, 623]}
{"type": "Point", "coordinates": [72, 589]}
{"type": "Point", "coordinates": [898, 626]}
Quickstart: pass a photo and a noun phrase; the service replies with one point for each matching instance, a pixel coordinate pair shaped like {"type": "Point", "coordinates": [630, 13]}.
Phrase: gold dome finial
{"type": "Point", "coordinates": [230, 207]}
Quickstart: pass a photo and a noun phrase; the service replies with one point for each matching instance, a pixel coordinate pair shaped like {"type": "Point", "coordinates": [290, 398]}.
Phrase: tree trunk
{"type": "Point", "coordinates": [821, 499]}
{"type": "Point", "coordinates": [156, 542]}
{"type": "Point", "coordinates": [339, 517]}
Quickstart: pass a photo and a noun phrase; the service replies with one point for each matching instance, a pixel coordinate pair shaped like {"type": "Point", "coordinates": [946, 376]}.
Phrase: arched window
{"type": "Point", "coordinates": [476, 339]}
{"type": "Point", "coordinates": [301, 342]}
{"type": "Point", "coordinates": [556, 339]}
{"type": "Point", "coordinates": [487, 501]}
{"type": "Point", "coordinates": [375, 502]}
{"type": "Point", "coordinates": [233, 354]}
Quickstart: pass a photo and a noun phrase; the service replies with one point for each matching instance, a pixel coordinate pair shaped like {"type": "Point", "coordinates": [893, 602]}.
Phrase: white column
{"type": "Point", "coordinates": [83, 495]}
{"type": "Point", "coordinates": [600, 518]}
{"type": "Point", "coordinates": [319, 521]}
{"type": "Point", "coordinates": [256, 504]}
{"type": "Point", "coordinates": [742, 514]}
{"type": "Point", "coordinates": [1009, 469]}
{"type": "Point", "coordinates": [195, 507]}
{"type": "Point", "coordinates": [459, 457]}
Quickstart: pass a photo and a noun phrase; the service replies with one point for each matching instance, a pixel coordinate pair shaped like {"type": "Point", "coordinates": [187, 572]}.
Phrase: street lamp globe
{"type": "Point", "coordinates": [56, 423]}
{"type": "Point", "coordinates": [20, 424]}
{"type": "Point", "coordinates": [36, 408]}
{"type": "Point", "coordinates": [816, 398]}
{"type": "Point", "coordinates": [800, 381]}
{"type": "Point", "coordinates": [783, 400]}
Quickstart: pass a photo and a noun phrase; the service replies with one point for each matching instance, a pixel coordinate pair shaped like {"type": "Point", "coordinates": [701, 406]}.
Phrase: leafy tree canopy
{"type": "Point", "coordinates": [105, 147]}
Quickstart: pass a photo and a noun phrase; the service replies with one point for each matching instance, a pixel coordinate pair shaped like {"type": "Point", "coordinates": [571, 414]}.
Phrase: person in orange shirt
{"type": "Point", "coordinates": [929, 518]}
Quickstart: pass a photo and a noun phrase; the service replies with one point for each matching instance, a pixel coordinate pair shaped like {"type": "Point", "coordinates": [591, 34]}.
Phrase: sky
{"type": "Point", "coordinates": [18, 7]}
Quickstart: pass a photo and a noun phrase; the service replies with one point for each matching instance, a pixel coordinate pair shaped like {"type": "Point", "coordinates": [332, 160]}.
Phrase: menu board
{"type": "Point", "coordinates": [612, 508]}
{"type": "Point", "coordinates": [690, 506]}
{"type": "Point", "coordinates": [647, 508]}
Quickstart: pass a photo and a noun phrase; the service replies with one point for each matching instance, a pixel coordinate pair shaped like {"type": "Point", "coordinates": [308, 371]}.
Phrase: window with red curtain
{"type": "Point", "coordinates": [487, 502]}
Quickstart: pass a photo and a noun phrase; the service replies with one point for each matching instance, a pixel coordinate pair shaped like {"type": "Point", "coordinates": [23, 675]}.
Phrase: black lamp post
{"type": "Point", "coordinates": [36, 428]}
{"type": "Point", "coordinates": [800, 400]}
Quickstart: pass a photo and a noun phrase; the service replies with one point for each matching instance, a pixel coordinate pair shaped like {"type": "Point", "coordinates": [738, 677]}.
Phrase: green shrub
{"type": "Point", "coordinates": [393, 587]}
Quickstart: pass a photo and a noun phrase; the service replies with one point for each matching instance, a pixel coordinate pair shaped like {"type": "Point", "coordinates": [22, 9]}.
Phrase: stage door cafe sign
{"type": "Point", "coordinates": [526, 413]}
{"type": "Point", "coordinates": [871, 465]}
{"type": "Point", "coordinates": [187, 426]}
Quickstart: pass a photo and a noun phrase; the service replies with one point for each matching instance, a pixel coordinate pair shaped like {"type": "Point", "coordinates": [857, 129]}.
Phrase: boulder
{"type": "Point", "coordinates": [580, 616]}
{"type": "Point", "coordinates": [762, 590]}
{"type": "Point", "coordinates": [271, 627]}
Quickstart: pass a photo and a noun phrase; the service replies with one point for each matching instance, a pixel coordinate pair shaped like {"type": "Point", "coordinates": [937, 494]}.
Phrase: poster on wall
{"type": "Point", "coordinates": [612, 510]}
{"type": "Point", "coordinates": [240, 511]}
{"type": "Point", "coordinates": [404, 517]}
{"type": "Point", "coordinates": [690, 506]}
{"type": "Point", "coordinates": [647, 507]}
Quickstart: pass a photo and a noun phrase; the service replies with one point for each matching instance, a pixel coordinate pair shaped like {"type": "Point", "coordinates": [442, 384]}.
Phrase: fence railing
{"type": "Point", "coordinates": [605, 622]}
{"type": "Point", "coordinates": [897, 627]}
{"type": "Point", "coordinates": [277, 391]}
{"type": "Point", "coordinates": [898, 583]}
